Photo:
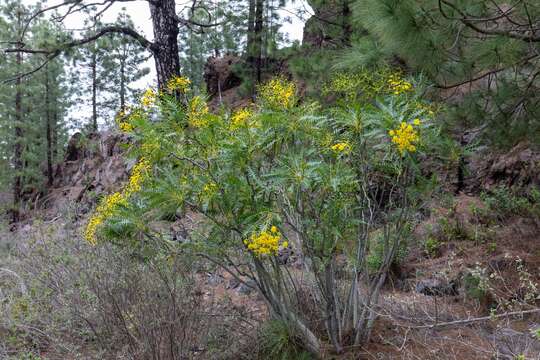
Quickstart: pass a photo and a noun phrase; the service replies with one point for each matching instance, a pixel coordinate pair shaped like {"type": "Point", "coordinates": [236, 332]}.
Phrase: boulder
{"type": "Point", "coordinates": [437, 287]}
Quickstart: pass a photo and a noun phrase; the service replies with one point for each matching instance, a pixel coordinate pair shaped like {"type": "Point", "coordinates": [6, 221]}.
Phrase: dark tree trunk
{"type": "Point", "coordinates": [48, 127]}
{"type": "Point", "coordinates": [346, 22]}
{"type": "Point", "coordinates": [18, 146]}
{"type": "Point", "coordinates": [165, 47]}
{"type": "Point", "coordinates": [259, 13]}
{"type": "Point", "coordinates": [251, 29]}
{"type": "Point", "coordinates": [54, 130]}
{"type": "Point", "coordinates": [122, 84]}
{"type": "Point", "coordinates": [93, 66]}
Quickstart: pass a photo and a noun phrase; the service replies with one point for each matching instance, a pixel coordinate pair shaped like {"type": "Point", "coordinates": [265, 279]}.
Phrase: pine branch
{"type": "Point", "coordinates": [53, 53]}
{"type": "Point", "coordinates": [471, 23]}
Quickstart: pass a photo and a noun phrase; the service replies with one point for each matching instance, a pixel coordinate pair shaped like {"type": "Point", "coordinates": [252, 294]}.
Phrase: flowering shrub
{"type": "Point", "coordinates": [278, 93]}
{"type": "Point", "coordinates": [110, 204]}
{"type": "Point", "coordinates": [178, 83]}
{"type": "Point", "coordinates": [330, 179]}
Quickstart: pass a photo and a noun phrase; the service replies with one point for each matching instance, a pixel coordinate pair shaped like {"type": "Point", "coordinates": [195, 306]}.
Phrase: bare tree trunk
{"type": "Point", "coordinates": [165, 48]}
{"type": "Point", "coordinates": [93, 66]}
{"type": "Point", "coordinates": [122, 84]}
{"type": "Point", "coordinates": [54, 130]}
{"type": "Point", "coordinates": [251, 27]}
{"type": "Point", "coordinates": [259, 12]}
{"type": "Point", "coordinates": [48, 127]}
{"type": "Point", "coordinates": [18, 146]}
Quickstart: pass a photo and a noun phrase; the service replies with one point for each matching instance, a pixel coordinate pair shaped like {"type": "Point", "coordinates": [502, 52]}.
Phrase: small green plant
{"type": "Point", "coordinates": [492, 247]}
{"type": "Point", "coordinates": [432, 247]}
{"type": "Point", "coordinates": [277, 342]}
{"type": "Point", "coordinates": [476, 283]}
{"type": "Point", "coordinates": [504, 203]}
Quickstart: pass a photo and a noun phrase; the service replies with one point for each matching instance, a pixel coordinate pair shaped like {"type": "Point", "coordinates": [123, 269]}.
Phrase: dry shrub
{"type": "Point", "coordinates": [63, 298]}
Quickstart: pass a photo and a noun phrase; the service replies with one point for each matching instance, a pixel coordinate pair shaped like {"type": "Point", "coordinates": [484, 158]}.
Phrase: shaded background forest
{"type": "Point", "coordinates": [481, 57]}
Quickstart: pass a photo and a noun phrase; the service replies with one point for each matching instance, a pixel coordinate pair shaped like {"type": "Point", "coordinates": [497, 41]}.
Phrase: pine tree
{"type": "Point", "coordinates": [487, 51]}
{"type": "Point", "coordinates": [32, 114]}
{"type": "Point", "coordinates": [122, 64]}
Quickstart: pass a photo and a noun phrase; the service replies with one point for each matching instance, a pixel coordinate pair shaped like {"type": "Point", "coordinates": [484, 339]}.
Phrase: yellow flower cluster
{"type": "Point", "coordinates": [138, 174]}
{"type": "Point", "coordinates": [426, 108]}
{"type": "Point", "coordinates": [105, 209]}
{"type": "Point", "coordinates": [210, 189]}
{"type": "Point", "coordinates": [110, 203]}
{"type": "Point", "coordinates": [241, 118]}
{"type": "Point", "coordinates": [405, 136]}
{"type": "Point", "coordinates": [353, 85]}
{"type": "Point", "coordinates": [198, 111]}
{"type": "Point", "coordinates": [122, 119]}
{"type": "Point", "coordinates": [398, 85]}
{"type": "Point", "coordinates": [341, 147]}
{"type": "Point", "coordinates": [178, 83]}
{"type": "Point", "coordinates": [278, 93]}
{"type": "Point", "coordinates": [265, 242]}
{"type": "Point", "coordinates": [125, 126]}
{"type": "Point", "coordinates": [149, 98]}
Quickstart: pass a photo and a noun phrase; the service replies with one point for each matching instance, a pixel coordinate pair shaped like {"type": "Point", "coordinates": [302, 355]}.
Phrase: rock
{"type": "Point", "coordinates": [75, 148]}
{"type": "Point", "coordinates": [284, 255]}
{"type": "Point", "coordinates": [437, 287]}
{"type": "Point", "coordinates": [219, 75]}
{"type": "Point", "coordinates": [247, 288]}
{"type": "Point", "coordinates": [519, 167]}
{"type": "Point", "coordinates": [214, 279]}
{"type": "Point", "coordinates": [233, 283]}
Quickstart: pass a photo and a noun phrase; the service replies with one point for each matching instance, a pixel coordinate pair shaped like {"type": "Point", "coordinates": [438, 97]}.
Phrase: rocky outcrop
{"type": "Point", "coordinates": [93, 164]}
{"type": "Point", "coordinates": [219, 74]}
{"type": "Point", "coordinates": [519, 167]}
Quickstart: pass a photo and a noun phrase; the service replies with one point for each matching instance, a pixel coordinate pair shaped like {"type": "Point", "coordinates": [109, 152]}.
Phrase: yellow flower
{"type": "Point", "coordinates": [285, 244]}
{"type": "Point", "coordinates": [126, 127]}
{"type": "Point", "coordinates": [341, 147]}
{"type": "Point", "coordinates": [178, 83]}
{"type": "Point", "coordinates": [149, 98]}
{"type": "Point", "coordinates": [405, 136]}
{"type": "Point", "coordinates": [138, 174]}
{"type": "Point", "coordinates": [209, 189]}
{"type": "Point", "coordinates": [198, 112]}
{"type": "Point", "coordinates": [241, 118]}
{"type": "Point", "coordinates": [397, 85]}
{"type": "Point", "coordinates": [265, 242]}
{"type": "Point", "coordinates": [105, 209]}
{"type": "Point", "coordinates": [278, 93]}
{"type": "Point", "coordinates": [109, 205]}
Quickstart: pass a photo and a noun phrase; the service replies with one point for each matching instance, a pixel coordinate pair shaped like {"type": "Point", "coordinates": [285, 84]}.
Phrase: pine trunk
{"type": "Point", "coordinates": [48, 127]}
{"type": "Point", "coordinates": [165, 47]}
{"type": "Point", "coordinates": [251, 31]}
{"type": "Point", "coordinates": [122, 84]}
{"type": "Point", "coordinates": [93, 67]}
{"type": "Point", "coordinates": [17, 149]}
{"type": "Point", "coordinates": [259, 12]}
